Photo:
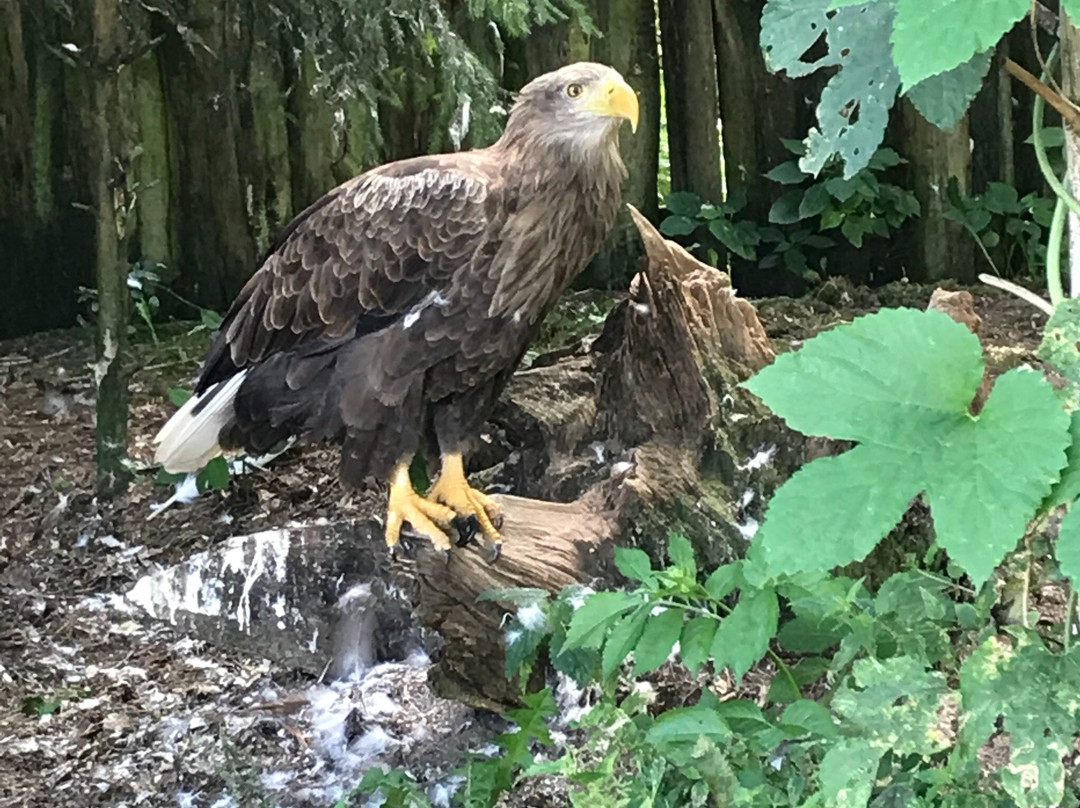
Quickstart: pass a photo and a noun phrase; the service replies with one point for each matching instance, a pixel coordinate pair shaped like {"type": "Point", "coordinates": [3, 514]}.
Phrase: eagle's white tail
{"type": "Point", "coordinates": [189, 440]}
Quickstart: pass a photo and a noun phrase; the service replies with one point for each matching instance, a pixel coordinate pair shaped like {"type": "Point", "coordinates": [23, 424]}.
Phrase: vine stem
{"type": "Point", "coordinates": [1070, 610]}
{"type": "Point", "coordinates": [702, 612]}
{"type": "Point", "coordinates": [1024, 294]}
{"type": "Point", "coordinates": [947, 582]}
{"type": "Point", "coordinates": [1026, 593]}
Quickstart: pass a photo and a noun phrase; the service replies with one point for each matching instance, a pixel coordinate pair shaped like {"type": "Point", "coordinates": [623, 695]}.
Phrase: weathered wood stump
{"type": "Point", "coordinates": [643, 430]}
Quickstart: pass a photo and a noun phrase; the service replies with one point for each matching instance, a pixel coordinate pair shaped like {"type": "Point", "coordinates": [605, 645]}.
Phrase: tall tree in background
{"type": "Point", "coordinates": [686, 34]}
{"type": "Point", "coordinates": [758, 108]}
{"type": "Point", "coordinates": [629, 45]}
{"type": "Point", "coordinates": [110, 374]}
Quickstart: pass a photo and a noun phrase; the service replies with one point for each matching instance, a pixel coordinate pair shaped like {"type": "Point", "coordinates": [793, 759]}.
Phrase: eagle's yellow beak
{"type": "Point", "coordinates": [615, 98]}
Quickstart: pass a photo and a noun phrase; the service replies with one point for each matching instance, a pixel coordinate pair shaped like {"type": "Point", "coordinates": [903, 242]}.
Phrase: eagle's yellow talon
{"type": "Point", "coordinates": [425, 516]}
{"type": "Point", "coordinates": [453, 490]}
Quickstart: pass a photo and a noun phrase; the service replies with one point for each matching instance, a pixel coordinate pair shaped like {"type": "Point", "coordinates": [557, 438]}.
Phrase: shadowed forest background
{"type": "Point", "coordinates": [223, 118]}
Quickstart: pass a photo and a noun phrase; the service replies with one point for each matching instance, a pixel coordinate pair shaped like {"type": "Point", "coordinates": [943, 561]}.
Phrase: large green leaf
{"type": "Point", "coordinates": [834, 510]}
{"type": "Point", "coordinates": [943, 99]}
{"type": "Point", "coordinates": [986, 477]}
{"type": "Point", "coordinates": [900, 381]}
{"type": "Point", "coordinates": [877, 379]}
{"type": "Point", "coordinates": [932, 37]}
{"type": "Point", "coordinates": [854, 105]}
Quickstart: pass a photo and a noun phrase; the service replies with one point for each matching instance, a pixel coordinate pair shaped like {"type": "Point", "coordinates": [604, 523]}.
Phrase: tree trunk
{"type": "Point", "coordinates": [16, 201]}
{"type": "Point", "coordinates": [1070, 84]}
{"type": "Point", "coordinates": [629, 45]}
{"type": "Point", "coordinates": [109, 372]}
{"type": "Point", "coordinates": [991, 117]}
{"type": "Point", "coordinates": [151, 168]}
{"type": "Point", "coordinates": [691, 101]}
{"type": "Point", "coordinates": [216, 248]}
{"type": "Point", "coordinates": [941, 248]}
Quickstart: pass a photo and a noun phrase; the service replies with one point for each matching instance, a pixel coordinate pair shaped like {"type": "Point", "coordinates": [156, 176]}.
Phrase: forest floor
{"type": "Point", "coordinates": [100, 706]}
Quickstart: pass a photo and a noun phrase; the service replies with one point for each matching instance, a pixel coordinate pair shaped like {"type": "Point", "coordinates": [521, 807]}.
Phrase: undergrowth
{"type": "Point", "coordinates": [949, 684]}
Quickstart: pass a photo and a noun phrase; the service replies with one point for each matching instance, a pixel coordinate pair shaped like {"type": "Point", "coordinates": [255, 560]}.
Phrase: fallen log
{"type": "Point", "coordinates": [643, 430]}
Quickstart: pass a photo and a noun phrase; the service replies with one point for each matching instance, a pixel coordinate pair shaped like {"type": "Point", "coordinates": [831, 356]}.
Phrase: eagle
{"type": "Point", "coordinates": [388, 316]}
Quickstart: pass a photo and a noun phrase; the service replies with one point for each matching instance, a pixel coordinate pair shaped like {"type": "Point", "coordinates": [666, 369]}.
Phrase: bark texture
{"type": "Point", "coordinates": [941, 248]}
{"type": "Point", "coordinates": [109, 187]}
{"type": "Point", "coordinates": [1070, 84]}
{"type": "Point", "coordinates": [686, 33]}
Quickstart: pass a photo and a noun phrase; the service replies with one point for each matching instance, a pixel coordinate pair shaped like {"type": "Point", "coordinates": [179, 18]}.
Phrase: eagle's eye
{"type": "Point", "coordinates": [574, 90]}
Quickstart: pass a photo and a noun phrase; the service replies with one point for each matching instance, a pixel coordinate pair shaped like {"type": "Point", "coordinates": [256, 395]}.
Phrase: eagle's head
{"type": "Point", "coordinates": [583, 103]}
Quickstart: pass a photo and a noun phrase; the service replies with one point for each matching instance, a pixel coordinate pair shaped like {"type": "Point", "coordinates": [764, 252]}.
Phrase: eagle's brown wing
{"type": "Point", "coordinates": [360, 258]}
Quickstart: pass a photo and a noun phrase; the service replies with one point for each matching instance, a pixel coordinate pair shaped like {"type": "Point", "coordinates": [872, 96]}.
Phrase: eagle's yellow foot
{"type": "Point", "coordinates": [424, 515]}
{"type": "Point", "coordinates": [468, 503]}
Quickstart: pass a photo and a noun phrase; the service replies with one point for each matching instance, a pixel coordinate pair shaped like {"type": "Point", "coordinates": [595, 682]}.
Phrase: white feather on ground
{"type": "Point", "coordinates": [189, 441]}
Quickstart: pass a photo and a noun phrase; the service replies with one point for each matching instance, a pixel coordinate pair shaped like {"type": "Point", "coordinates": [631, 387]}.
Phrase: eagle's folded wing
{"type": "Point", "coordinates": [358, 259]}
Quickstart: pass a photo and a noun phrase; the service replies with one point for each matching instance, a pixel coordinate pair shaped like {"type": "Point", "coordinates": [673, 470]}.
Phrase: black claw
{"type": "Point", "coordinates": [405, 548]}
{"type": "Point", "coordinates": [466, 527]}
{"type": "Point", "coordinates": [498, 521]}
{"type": "Point", "coordinates": [496, 551]}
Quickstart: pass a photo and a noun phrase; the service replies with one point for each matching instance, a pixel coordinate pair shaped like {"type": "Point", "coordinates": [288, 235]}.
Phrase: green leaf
{"type": "Point", "coordinates": [1014, 449]}
{"type": "Point", "coordinates": [39, 706]}
{"type": "Point", "coordinates": [900, 382]}
{"type": "Point", "coordinates": [215, 475]}
{"type": "Point", "coordinates": [657, 640]}
{"type": "Point", "coordinates": [815, 201]}
{"type": "Point", "coordinates": [1032, 693]}
{"type": "Point", "coordinates": [210, 319]}
{"type": "Point", "coordinates": [681, 553]}
{"type": "Point", "coordinates": [785, 210]}
{"type": "Point", "coordinates": [943, 99]}
{"type": "Point", "coordinates": [805, 715]}
{"type": "Point", "coordinates": [590, 623]}
{"type": "Point", "coordinates": [633, 563]}
{"type": "Point", "coordinates": [787, 173]}
{"type": "Point", "coordinates": [686, 725]}
{"type": "Point", "coordinates": [839, 502]}
{"type": "Point", "coordinates": [624, 636]}
{"type": "Point", "coordinates": [931, 38]}
{"type": "Point", "coordinates": [677, 226]}
{"type": "Point", "coordinates": [847, 773]}
{"type": "Point", "coordinates": [866, 380]}
{"type": "Point", "coordinates": [723, 580]}
{"type": "Point", "coordinates": [866, 83]}
{"type": "Point", "coordinates": [1059, 347]}
{"type": "Point", "coordinates": [894, 704]}
{"type": "Point", "coordinates": [683, 203]}
{"type": "Point", "coordinates": [696, 640]}
{"type": "Point", "coordinates": [806, 635]}
{"type": "Point", "coordinates": [743, 636]}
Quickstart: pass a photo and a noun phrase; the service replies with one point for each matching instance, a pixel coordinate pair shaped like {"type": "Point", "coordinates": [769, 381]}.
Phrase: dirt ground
{"type": "Point", "coordinates": [100, 707]}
